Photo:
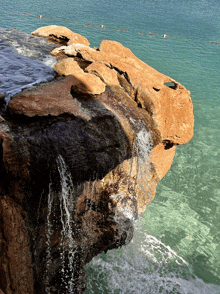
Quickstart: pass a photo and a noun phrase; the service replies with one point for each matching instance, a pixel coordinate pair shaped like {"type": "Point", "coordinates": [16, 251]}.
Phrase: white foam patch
{"type": "Point", "coordinates": [50, 61]}
{"type": "Point", "coordinates": [146, 265]}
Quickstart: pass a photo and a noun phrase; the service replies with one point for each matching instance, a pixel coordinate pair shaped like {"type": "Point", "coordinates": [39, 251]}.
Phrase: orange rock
{"type": "Point", "coordinates": [171, 105]}
{"type": "Point", "coordinates": [107, 75]}
{"type": "Point", "coordinates": [67, 67]}
{"type": "Point", "coordinates": [160, 98]}
{"type": "Point", "coordinates": [60, 35]}
{"type": "Point", "coordinates": [162, 158]}
{"type": "Point", "coordinates": [84, 82]}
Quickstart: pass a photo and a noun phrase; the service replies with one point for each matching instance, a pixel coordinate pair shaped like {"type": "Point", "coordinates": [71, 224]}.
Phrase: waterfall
{"type": "Point", "coordinates": [66, 197]}
{"type": "Point", "coordinates": [138, 176]}
{"type": "Point", "coordinates": [141, 154]}
{"type": "Point", "coordinates": [62, 204]}
{"type": "Point", "coordinates": [67, 244]}
{"type": "Point", "coordinates": [49, 231]}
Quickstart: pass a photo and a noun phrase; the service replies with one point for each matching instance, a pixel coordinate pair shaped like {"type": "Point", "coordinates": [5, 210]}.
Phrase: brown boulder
{"type": "Point", "coordinates": [87, 83]}
{"type": "Point", "coordinates": [107, 75]}
{"type": "Point", "coordinates": [55, 98]}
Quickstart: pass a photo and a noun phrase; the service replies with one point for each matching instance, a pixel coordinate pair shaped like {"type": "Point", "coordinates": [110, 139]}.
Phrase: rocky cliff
{"type": "Point", "coordinates": [81, 157]}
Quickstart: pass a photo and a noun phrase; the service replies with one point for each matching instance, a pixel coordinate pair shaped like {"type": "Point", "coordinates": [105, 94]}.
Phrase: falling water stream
{"type": "Point", "coordinates": [140, 155]}
{"type": "Point", "coordinates": [67, 243]}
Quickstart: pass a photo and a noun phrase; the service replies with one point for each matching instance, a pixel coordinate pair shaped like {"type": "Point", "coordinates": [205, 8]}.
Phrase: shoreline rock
{"type": "Point", "coordinates": [60, 35]}
{"type": "Point", "coordinates": [115, 123]}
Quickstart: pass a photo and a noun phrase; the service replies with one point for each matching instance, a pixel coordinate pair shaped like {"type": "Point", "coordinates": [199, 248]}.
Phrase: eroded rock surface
{"type": "Point", "coordinates": [60, 35]}
{"type": "Point", "coordinates": [107, 128]}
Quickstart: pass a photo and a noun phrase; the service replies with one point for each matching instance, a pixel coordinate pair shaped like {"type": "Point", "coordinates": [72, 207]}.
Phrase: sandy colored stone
{"type": "Point", "coordinates": [107, 75]}
{"type": "Point", "coordinates": [60, 35]}
{"type": "Point", "coordinates": [86, 82]}
{"type": "Point", "coordinates": [172, 107]}
{"type": "Point", "coordinates": [68, 66]}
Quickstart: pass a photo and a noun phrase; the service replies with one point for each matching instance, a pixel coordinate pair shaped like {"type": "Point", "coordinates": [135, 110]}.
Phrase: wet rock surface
{"type": "Point", "coordinates": [91, 145]}
{"type": "Point", "coordinates": [25, 61]}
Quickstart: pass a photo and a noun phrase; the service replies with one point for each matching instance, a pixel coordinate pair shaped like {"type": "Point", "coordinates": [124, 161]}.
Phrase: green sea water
{"type": "Point", "coordinates": [176, 248]}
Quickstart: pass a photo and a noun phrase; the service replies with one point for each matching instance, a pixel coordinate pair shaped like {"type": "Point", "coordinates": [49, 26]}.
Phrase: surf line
{"type": "Point", "coordinates": [102, 26]}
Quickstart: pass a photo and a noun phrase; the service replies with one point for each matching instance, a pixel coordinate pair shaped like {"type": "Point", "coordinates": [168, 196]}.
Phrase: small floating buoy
{"type": "Point", "coordinates": [164, 35]}
{"type": "Point", "coordinates": [102, 26]}
{"type": "Point", "coordinates": [40, 16]}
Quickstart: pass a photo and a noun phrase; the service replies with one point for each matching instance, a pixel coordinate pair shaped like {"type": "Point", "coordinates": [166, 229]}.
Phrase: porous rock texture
{"type": "Point", "coordinates": [115, 122]}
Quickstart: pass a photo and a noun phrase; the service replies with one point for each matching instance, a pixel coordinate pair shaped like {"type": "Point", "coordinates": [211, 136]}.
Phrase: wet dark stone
{"type": "Point", "coordinates": [2, 100]}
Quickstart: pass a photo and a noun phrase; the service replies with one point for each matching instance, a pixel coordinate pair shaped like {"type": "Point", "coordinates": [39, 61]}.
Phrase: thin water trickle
{"type": "Point", "coordinates": [49, 232]}
{"type": "Point", "coordinates": [67, 243]}
{"type": "Point", "coordinates": [66, 197]}
{"type": "Point", "coordinates": [141, 154]}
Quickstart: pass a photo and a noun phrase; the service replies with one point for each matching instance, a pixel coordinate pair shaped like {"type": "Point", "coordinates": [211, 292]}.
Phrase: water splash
{"type": "Point", "coordinates": [146, 265]}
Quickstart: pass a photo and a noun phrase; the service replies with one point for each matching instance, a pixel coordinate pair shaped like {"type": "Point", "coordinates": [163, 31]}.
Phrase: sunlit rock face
{"type": "Point", "coordinates": [80, 158]}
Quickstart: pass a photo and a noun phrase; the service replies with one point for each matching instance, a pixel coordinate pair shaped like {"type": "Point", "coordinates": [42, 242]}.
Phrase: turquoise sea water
{"type": "Point", "coordinates": [176, 248]}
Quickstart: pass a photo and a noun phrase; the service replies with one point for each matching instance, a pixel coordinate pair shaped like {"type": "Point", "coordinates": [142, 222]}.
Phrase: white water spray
{"type": "Point", "coordinates": [146, 266]}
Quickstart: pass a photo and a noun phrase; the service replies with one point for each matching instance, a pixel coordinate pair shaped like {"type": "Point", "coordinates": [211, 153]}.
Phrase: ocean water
{"type": "Point", "coordinates": [176, 247]}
